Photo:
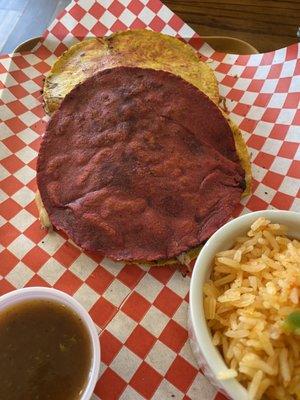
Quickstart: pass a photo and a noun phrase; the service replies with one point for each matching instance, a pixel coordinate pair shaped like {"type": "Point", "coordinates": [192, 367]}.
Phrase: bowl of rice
{"type": "Point", "coordinates": [244, 288]}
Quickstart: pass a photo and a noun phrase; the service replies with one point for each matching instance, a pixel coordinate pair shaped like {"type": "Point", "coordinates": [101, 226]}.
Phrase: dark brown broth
{"type": "Point", "coordinates": [45, 352]}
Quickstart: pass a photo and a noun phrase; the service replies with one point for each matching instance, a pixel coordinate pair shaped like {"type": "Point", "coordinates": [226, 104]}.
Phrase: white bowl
{"type": "Point", "coordinates": [36, 293]}
{"type": "Point", "coordinates": [207, 355]}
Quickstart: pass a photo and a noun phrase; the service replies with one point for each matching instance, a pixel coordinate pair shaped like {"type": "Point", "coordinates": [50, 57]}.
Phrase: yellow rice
{"type": "Point", "coordinates": [252, 288]}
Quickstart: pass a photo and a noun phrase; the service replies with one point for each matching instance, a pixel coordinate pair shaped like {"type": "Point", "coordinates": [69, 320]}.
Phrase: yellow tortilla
{"type": "Point", "coordinates": [139, 48]}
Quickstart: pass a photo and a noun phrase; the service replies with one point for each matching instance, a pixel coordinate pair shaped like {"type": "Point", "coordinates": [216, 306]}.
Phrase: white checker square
{"type": "Point", "coordinates": [248, 98]}
{"type": "Point", "coordinates": [26, 154]}
{"type": "Point", "coordinates": [31, 72]}
{"type": "Point", "coordinates": [290, 186]}
{"type": "Point", "coordinates": [263, 128]}
{"type": "Point", "coordinates": [181, 313]}
{"type": "Point", "coordinates": [69, 22]}
{"type": "Point", "coordinates": [88, 21]}
{"type": "Point", "coordinates": [19, 275]}
{"type": "Point", "coordinates": [125, 363]}
{"type": "Point", "coordinates": [167, 30]}
{"type": "Point", "coordinates": [146, 15]}
{"type": "Point", "coordinates": [83, 266]}
{"type": "Point", "coordinates": [296, 205]}
{"type": "Point", "coordinates": [201, 388]}
{"type": "Point", "coordinates": [32, 59]}
{"type": "Point", "coordinates": [51, 242]}
{"type": "Point", "coordinates": [280, 165]}
{"type": "Point", "coordinates": [21, 246]}
{"type": "Point", "coordinates": [27, 135]}
{"type": "Point", "coordinates": [254, 60]}
{"type": "Point", "coordinates": [295, 84]}
{"type": "Point", "coordinates": [262, 72]}
{"type": "Point", "coordinates": [114, 267]}
{"type": "Point", "coordinates": [86, 4]}
{"type": "Point", "coordinates": [116, 293]}
{"type": "Point", "coordinates": [237, 119]}
{"type": "Point", "coordinates": [22, 220]}
{"type": "Point", "coordinates": [4, 151]}
{"type": "Point", "coordinates": [2, 222]}
{"type": "Point", "coordinates": [256, 113]}
{"type": "Point", "coordinates": [121, 326]}
{"type": "Point", "coordinates": [3, 195]}
{"type": "Point", "coordinates": [242, 83]}
{"type": "Point", "coordinates": [286, 116]}
{"type": "Point", "coordinates": [269, 86]}
{"type": "Point", "coordinates": [288, 68]}
{"type": "Point", "coordinates": [186, 32]}
{"type": "Point", "coordinates": [293, 134]}
{"type": "Point", "coordinates": [277, 100]}
{"type": "Point", "coordinates": [108, 19]}
{"type": "Point", "coordinates": [9, 81]}
{"type": "Point", "coordinates": [130, 394]}
{"type": "Point", "coordinates": [149, 287]}
{"type": "Point", "coordinates": [29, 118]}
{"type": "Point", "coordinates": [154, 321]}
{"type": "Point", "coordinates": [235, 70]}
{"type": "Point", "coordinates": [165, 13]}
{"type": "Point", "coordinates": [187, 354]}
{"type": "Point", "coordinates": [30, 86]}
{"type": "Point", "coordinates": [25, 174]}
{"type": "Point", "coordinates": [24, 196]}
{"type": "Point", "coordinates": [160, 357]}
{"type": "Point", "coordinates": [3, 173]}
{"type": "Point", "coordinates": [51, 271]}
{"type": "Point", "coordinates": [6, 113]}
{"type": "Point", "coordinates": [30, 102]}
{"type": "Point", "coordinates": [86, 296]}
{"type": "Point", "coordinates": [179, 284]}
{"type": "Point", "coordinates": [5, 131]}
{"type": "Point", "coordinates": [271, 146]}
{"type": "Point", "coordinates": [265, 192]}
{"type": "Point", "coordinates": [167, 391]}
{"type": "Point", "coordinates": [127, 17]}
{"type": "Point", "coordinates": [7, 96]}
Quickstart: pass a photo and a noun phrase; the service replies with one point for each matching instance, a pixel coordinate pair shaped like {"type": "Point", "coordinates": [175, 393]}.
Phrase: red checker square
{"type": "Point", "coordinates": [36, 280]}
{"type": "Point", "coordinates": [256, 204]}
{"type": "Point", "coordinates": [102, 312]}
{"type": "Point", "coordinates": [220, 396]}
{"type": "Point", "coordinates": [282, 201]}
{"type": "Point", "coordinates": [219, 57]}
{"type": "Point", "coordinates": [296, 120]}
{"type": "Point", "coordinates": [267, 59]}
{"type": "Point", "coordinates": [97, 256]}
{"type": "Point", "coordinates": [77, 12]}
{"type": "Point", "coordinates": [59, 30]}
{"type": "Point", "coordinates": [35, 145]}
{"type": "Point", "coordinates": [100, 279]}
{"type": "Point", "coordinates": [135, 7]}
{"type": "Point", "coordinates": [42, 52]}
{"type": "Point", "coordinates": [146, 380]}
{"type": "Point", "coordinates": [35, 258]}
{"type": "Point", "coordinates": [131, 274]}
{"type": "Point", "coordinates": [224, 68]}
{"type": "Point", "coordinates": [181, 374]}
{"type": "Point", "coordinates": [275, 71]}
{"type": "Point", "coordinates": [279, 131]}
{"type": "Point", "coordinates": [248, 125]}
{"type": "Point", "coordinates": [67, 254]}
{"type": "Point", "coordinates": [162, 274]}
{"type": "Point", "coordinates": [294, 170]}
{"type": "Point", "coordinates": [39, 127]}
{"type": "Point", "coordinates": [110, 347]}
{"type": "Point", "coordinates": [19, 76]}
{"type": "Point", "coordinates": [42, 67]}
{"type": "Point", "coordinates": [235, 94]}
{"type": "Point", "coordinates": [248, 72]}
{"type": "Point", "coordinates": [110, 385]}
{"type": "Point", "coordinates": [154, 5]}
{"type": "Point", "coordinates": [136, 306]}
{"type": "Point", "coordinates": [16, 125]}
{"type": "Point", "coordinates": [229, 81]}
{"type": "Point", "coordinates": [32, 185]}
{"type": "Point", "coordinates": [18, 91]}
{"type": "Point", "coordinates": [175, 22]}
{"type": "Point", "coordinates": [99, 29]}
{"type": "Point", "coordinates": [241, 60]}
{"type": "Point", "coordinates": [138, 24]}
{"type": "Point", "coordinates": [80, 31]}
{"type": "Point", "coordinates": [35, 232]}
{"type": "Point", "coordinates": [96, 10]}
{"type": "Point", "coordinates": [20, 61]}
{"type": "Point", "coordinates": [118, 26]}
{"type": "Point", "coordinates": [297, 68]}
{"type": "Point", "coordinates": [256, 85]}
{"type": "Point", "coordinates": [292, 100]}
{"type": "Point", "coordinates": [167, 301]}
{"type": "Point", "coordinates": [11, 185]}
{"type": "Point", "coordinates": [31, 207]}
{"type": "Point", "coordinates": [264, 160]}
{"type": "Point", "coordinates": [256, 141]}
{"type": "Point", "coordinates": [174, 336]}
{"type": "Point", "coordinates": [140, 341]}
{"type": "Point", "coordinates": [68, 283]}
{"type": "Point", "coordinates": [157, 24]}
{"type": "Point", "coordinates": [288, 150]}
{"type": "Point", "coordinates": [5, 287]}
{"type": "Point", "coordinates": [39, 112]}
{"type": "Point", "coordinates": [116, 8]}
{"type": "Point", "coordinates": [9, 208]}
{"type": "Point", "coordinates": [241, 109]}
{"type": "Point", "coordinates": [13, 142]}
{"type": "Point", "coordinates": [291, 52]}
{"type": "Point", "coordinates": [262, 99]}
{"type": "Point", "coordinates": [8, 234]}
{"type": "Point", "coordinates": [273, 180]}
{"type": "Point", "coordinates": [271, 115]}
{"type": "Point", "coordinates": [7, 262]}
{"type": "Point", "coordinates": [283, 85]}
{"type": "Point", "coordinates": [12, 163]}
{"type": "Point", "coordinates": [17, 107]}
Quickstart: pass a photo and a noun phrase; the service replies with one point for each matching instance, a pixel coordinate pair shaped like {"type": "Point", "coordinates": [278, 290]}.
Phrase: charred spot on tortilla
{"type": "Point", "coordinates": [136, 172]}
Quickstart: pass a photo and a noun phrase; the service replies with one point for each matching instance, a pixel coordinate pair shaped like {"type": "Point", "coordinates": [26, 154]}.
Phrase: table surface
{"type": "Point", "coordinates": [267, 25]}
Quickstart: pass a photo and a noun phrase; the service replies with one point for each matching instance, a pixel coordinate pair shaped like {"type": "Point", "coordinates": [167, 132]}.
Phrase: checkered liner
{"type": "Point", "coordinates": [141, 313]}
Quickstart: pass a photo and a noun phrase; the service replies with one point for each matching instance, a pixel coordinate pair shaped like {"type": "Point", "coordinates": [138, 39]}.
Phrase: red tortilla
{"type": "Point", "coordinates": [139, 165]}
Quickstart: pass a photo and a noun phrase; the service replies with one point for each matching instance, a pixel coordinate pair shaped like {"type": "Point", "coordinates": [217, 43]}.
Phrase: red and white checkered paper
{"type": "Point", "coordinates": [141, 312]}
